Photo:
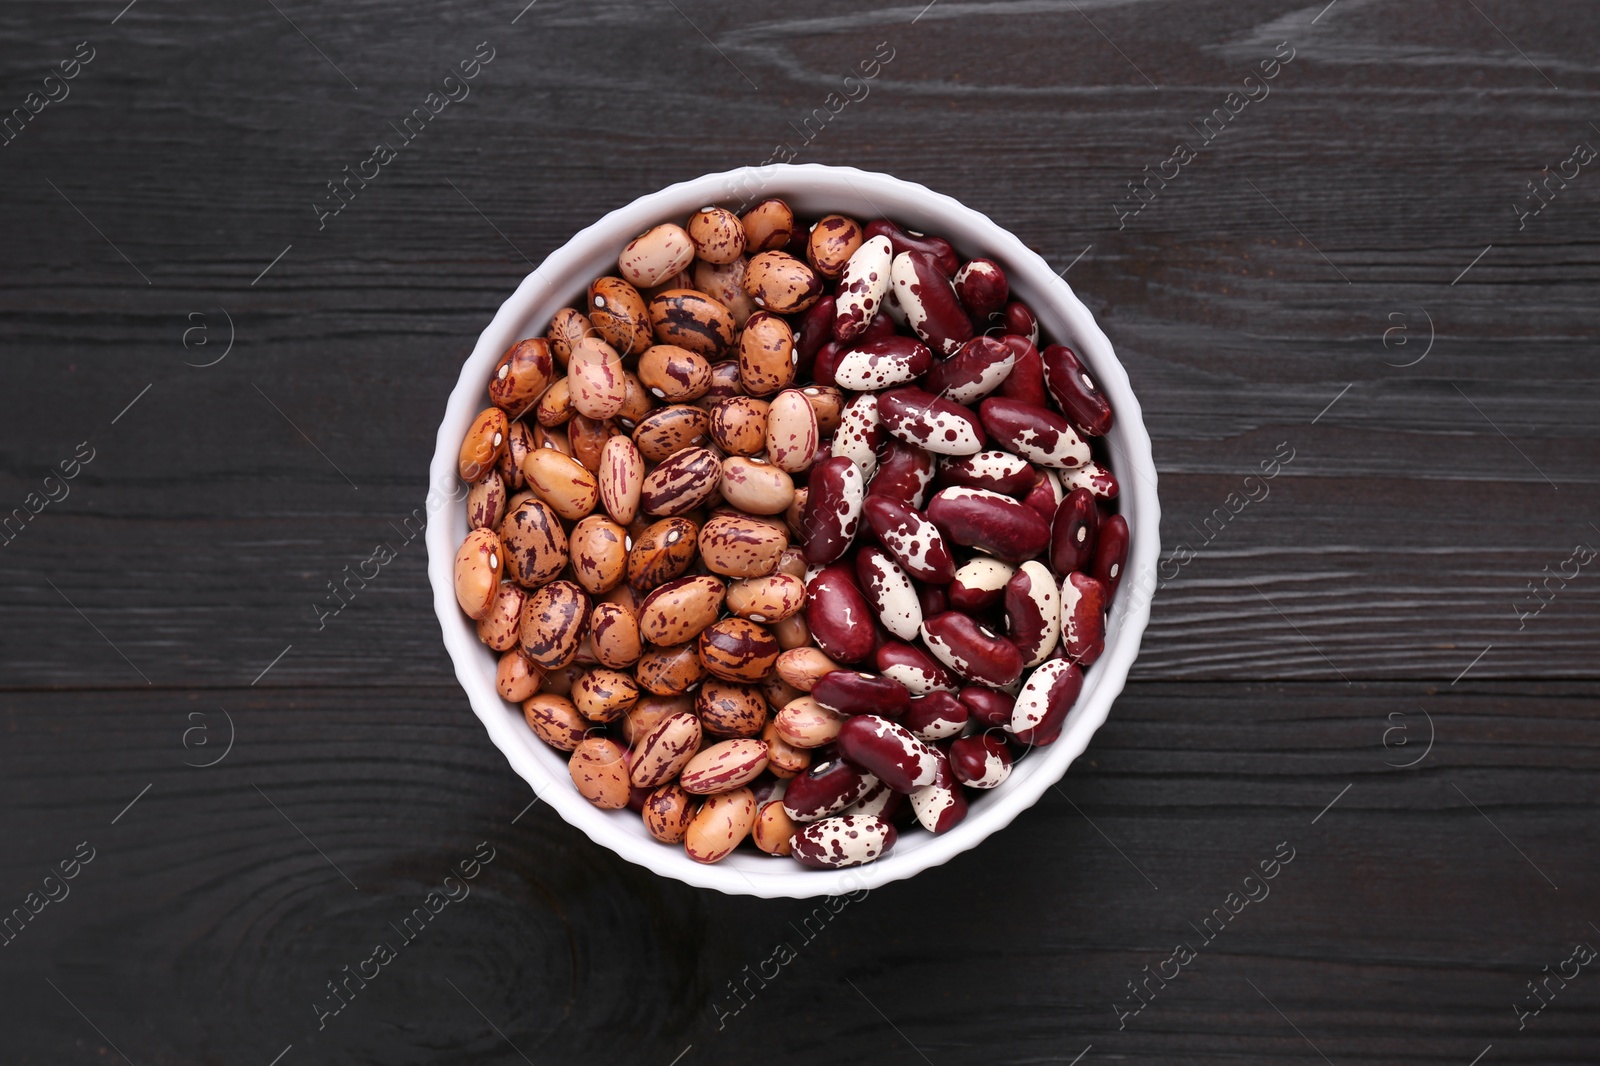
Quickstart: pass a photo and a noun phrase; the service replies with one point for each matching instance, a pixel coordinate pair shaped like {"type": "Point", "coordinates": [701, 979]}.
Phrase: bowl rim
{"type": "Point", "coordinates": [1060, 313]}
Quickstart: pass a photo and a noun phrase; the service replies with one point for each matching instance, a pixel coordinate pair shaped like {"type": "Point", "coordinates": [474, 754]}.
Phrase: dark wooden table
{"type": "Point", "coordinates": [1387, 667]}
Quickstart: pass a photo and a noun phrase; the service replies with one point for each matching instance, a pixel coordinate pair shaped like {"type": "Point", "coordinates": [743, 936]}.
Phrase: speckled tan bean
{"type": "Point", "coordinates": [555, 439]}
{"type": "Point", "coordinates": [555, 720]}
{"type": "Point", "coordinates": [792, 632]}
{"type": "Point", "coordinates": [738, 425]}
{"type": "Point", "coordinates": [832, 242]}
{"type": "Point", "coordinates": [515, 677]}
{"type": "Point", "coordinates": [720, 825]}
{"type": "Point", "coordinates": [599, 769]}
{"type": "Point", "coordinates": [620, 477]}
{"type": "Point", "coordinates": [588, 437]}
{"type": "Point", "coordinates": [802, 667]}
{"type": "Point", "coordinates": [594, 375]}
{"type": "Point", "coordinates": [559, 681]}
{"type": "Point", "coordinates": [766, 354]}
{"type": "Point", "coordinates": [567, 327]}
{"type": "Point", "coordinates": [670, 671]}
{"type": "Point", "coordinates": [679, 610]}
{"type": "Point", "coordinates": [807, 724]}
{"type": "Point", "coordinates": [499, 626]}
{"type": "Point", "coordinates": [554, 620]}
{"type": "Point", "coordinates": [784, 760]}
{"type": "Point", "coordinates": [768, 225]}
{"type": "Point", "coordinates": [683, 482]}
{"type": "Point", "coordinates": [519, 442]}
{"type": "Point", "coordinates": [779, 282]}
{"type": "Point", "coordinates": [522, 375]}
{"type": "Point", "coordinates": [486, 503]}
{"type": "Point", "coordinates": [740, 546]}
{"type": "Point", "coordinates": [669, 430]}
{"type": "Point", "coordinates": [535, 542]}
{"type": "Point", "coordinates": [724, 283]}
{"type": "Point", "coordinates": [767, 599]}
{"type": "Point", "coordinates": [599, 553]}
{"type": "Point", "coordinates": [773, 829]}
{"type": "Point", "coordinates": [792, 432]}
{"type": "Point", "coordinates": [656, 255]}
{"type": "Point", "coordinates": [793, 561]}
{"type": "Point", "coordinates": [614, 632]}
{"type": "Point", "coordinates": [725, 766]}
{"type": "Point", "coordinates": [737, 649]}
{"type": "Point", "coordinates": [619, 315]}
{"type": "Point", "coordinates": [755, 486]}
{"type": "Point", "coordinates": [674, 374]}
{"type": "Point", "coordinates": [827, 403]}
{"type": "Point", "coordinates": [650, 711]}
{"type": "Point", "coordinates": [730, 709]}
{"type": "Point", "coordinates": [692, 320]}
{"type": "Point", "coordinates": [667, 813]}
{"type": "Point", "coordinates": [662, 552]}
{"type": "Point", "coordinates": [562, 482]}
{"type": "Point", "coordinates": [662, 752]}
{"type": "Point", "coordinates": [483, 445]}
{"type": "Point", "coordinates": [478, 564]}
{"type": "Point", "coordinates": [555, 406]}
{"type": "Point", "coordinates": [603, 695]}
{"type": "Point", "coordinates": [718, 235]}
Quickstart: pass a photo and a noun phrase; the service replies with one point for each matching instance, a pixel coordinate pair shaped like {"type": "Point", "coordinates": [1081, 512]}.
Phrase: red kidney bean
{"type": "Point", "coordinates": [1021, 321]}
{"type": "Point", "coordinates": [980, 367]}
{"type": "Point", "coordinates": [1037, 434]}
{"type": "Point", "coordinates": [971, 650]}
{"type": "Point", "coordinates": [1075, 392]}
{"type": "Point", "coordinates": [982, 287]}
{"type": "Point", "coordinates": [987, 706]}
{"type": "Point", "coordinates": [933, 599]}
{"type": "Point", "coordinates": [1046, 495]}
{"type": "Point", "coordinates": [860, 433]}
{"type": "Point", "coordinates": [996, 471]}
{"type": "Point", "coordinates": [936, 716]}
{"type": "Point", "coordinates": [888, 751]}
{"type": "Point", "coordinates": [838, 616]}
{"type": "Point", "coordinates": [931, 422]}
{"type": "Point", "coordinates": [914, 541]}
{"type": "Point", "coordinates": [1110, 554]}
{"type": "Point", "coordinates": [825, 363]}
{"type": "Point", "coordinates": [871, 366]}
{"type": "Point", "coordinates": [904, 240]}
{"type": "Point", "coordinates": [862, 287]}
{"type": "Point", "coordinates": [990, 522]}
{"type": "Point", "coordinates": [904, 473]}
{"type": "Point", "coordinates": [979, 584]}
{"type": "Point", "coordinates": [1041, 708]}
{"type": "Point", "coordinates": [926, 295]}
{"type": "Point", "coordinates": [825, 788]}
{"type": "Point", "coordinates": [882, 802]}
{"type": "Point", "coordinates": [833, 509]}
{"type": "Point", "coordinates": [981, 761]}
{"type": "Point", "coordinates": [1083, 618]}
{"type": "Point", "coordinates": [1033, 613]}
{"type": "Point", "coordinates": [1094, 477]}
{"type": "Point", "coordinates": [848, 840]}
{"type": "Point", "coordinates": [914, 668]}
{"type": "Point", "coordinates": [941, 806]}
{"type": "Point", "coordinates": [852, 692]}
{"type": "Point", "coordinates": [1026, 380]}
{"type": "Point", "coordinates": [882, 325]}
{"type": "Point", "coordinates": [816, 328]}
{"type": "Point", "coordinates": [1072, 532]}
{"type": "Point", "coordinates": [890, 592]}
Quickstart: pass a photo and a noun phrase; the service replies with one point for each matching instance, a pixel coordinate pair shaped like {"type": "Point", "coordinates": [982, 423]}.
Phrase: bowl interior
{"type": "Point", "coordinates": [812, 190]}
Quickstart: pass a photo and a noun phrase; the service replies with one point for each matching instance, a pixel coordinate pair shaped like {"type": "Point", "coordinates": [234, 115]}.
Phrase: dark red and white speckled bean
{"type": "Point", "coordinates": [904, 240]}
{"type": "Point", "coordinates": [1075, 392]}
{"type": "Point", "coordinates": [881, 802]}
{"type": "Point", "coordinates": [904, 473]}
{"type": "Point", "coordinates": [994, 470]}
{"type": "Point", "coordinates": [914, 668]}
{"type": "Point", "coordinates": [825, 788]}
{"type": "Point", "coordinates": [1041, 708]}
{"type": "Point", "coordinates": [987, 706]}
{"type": "Point", "coordinates": [1037, 434]}
{"type": "Point", "coordinates": [1026, 380]}
{"type": "Point", "coordinates": [941, 806]}
{"type": "Point", "coordinates": [1094, 477]}
{"type": "Point", "coordinates": [979, 584]}
{"type": "Point", "coordinates": [929, 300]}
{"type": "Point", "coordinates": [1046, 494]}
{"type": "Point", "coordinates": [981, 761]}
{"type": "Point", "coordinates": [978, 368]}
{"type": "Point", "coordinates": [982, 288]}
{"type": "Point", "coordinates": [1110, 554]}
{"type": "Point", "coordinates": [873, 366]}
{"type": "Point", "coordinates": [853, 692]}
{"type": "Point", "coordinates": [936, 716]}
{"type": "Point", "coordinates": [860, 433]}
{"type": "Point", "coordinates": [912, 539]}
{"type": "Point", "coordinates": [930, 422]}
{"type": "Point", "coordinates": [1033, 613]}
{"type": "Point", "coordinates": [1020, 320]}
{"type": "Point", "coordinates": [972, 650]}
{"type": "Point", "coordinates": [833, 509]}
{"type": "Point", "coordinates": [838, 616]}
{"type": "Point", "coordinates": [848, 840]}
{"type": "Point", "coordinates": [890, 592]}
{"type": "Point", "coordinates": [990, 522]}
{"type": "Point", "coordinates": [815, 330]}
{"type": "Point", "coordinates": [1072, 532]}
{"type": "Point", "coordinates": [862, 287]}
{"type": "Point", "coordinates": [1083, 618]}
{"type": "Point", "coordinates": [888, 751]}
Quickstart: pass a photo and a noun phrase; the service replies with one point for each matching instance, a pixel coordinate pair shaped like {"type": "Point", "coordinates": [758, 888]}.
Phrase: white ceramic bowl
{"type": "Point", "coordinates": [812, 190]}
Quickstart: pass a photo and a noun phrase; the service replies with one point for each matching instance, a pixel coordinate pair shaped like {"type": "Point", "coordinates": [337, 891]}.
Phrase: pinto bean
{"type": "Point", "coordinates": [737, 649]}
{"type": "Point", "coordinates": [483, 445]}
{"type": "Point", "coordinates": [801, 667]}
{"type": "Point", "coordinates": [681, 483]}
{"type": "Point", "coordinates": [724, 766]}
{"type": "Point", "coordinates": [499, 626]}
{"type": "Point", "coordinates": [521, 376]}
{"type": "Point", "coordinates": [720, 825]}
{"type": "Point", "coordinates": [555, 721]}
{"type": "Point", "coordinates": [833, 240]}
{"type": "Point", "coordinates": [768, 225]}
{"type": "Point", "coordinates": [738, 425]}
{"type": "Point", "coordinates": [791, 431]}
{"type": "Point", "coordinates": [554, 620]}
{"type": "Point", "coordinates": [769, 599]}
{"type": "Point", "coordinates": [667, 813]}
{"type": "Point", "coordinates": [670, 671]}
{"type": "Point", "coordinates": [755, 486]}
{"type": "Point", "coordinates": [599, 769]}
{"type": "Point", "coordinates": [614, 633]}
{"type": "Point", "coordinates": [779, 282]}
{"type": "Point", "coordinates": [515, 676]}
{"type": "Point", "coordinates": [535, 542]}
{"type": "Point", "coordinates": [656, 255]}
{"type": "Point", "coordinates": [478, 564]}
{"type": "Point", "coordinates": [692, 320]}
{"type": "Point", "coordinates": [619, 315]}
{"type": "Point", "coordinates": [738, 546]}
{"type": "Point", "coordinates": [662, 552]}
{"type": "Point", "coordinates": [603, 695]}
{"type": "Point", "coordinates": [486, 503]}
{"type": "Point", "coordinates": [665, 432]}
{"type": "Point", "coordinates": [773, 829]}
{"type": "Point", "coordinates": [679, 610]}
{"type": "Point", "coordinates": [805, 724]}
{"type": "Point", "coordinates": [729, 709]}
{"type": "Point", "coordinates": [718, 235]}
{"type": "Point", "coordinates": [766, 354]}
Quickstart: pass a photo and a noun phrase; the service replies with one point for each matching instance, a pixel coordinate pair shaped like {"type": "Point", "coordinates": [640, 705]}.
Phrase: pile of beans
{"type": "Point", "coordinates": [792, 534]}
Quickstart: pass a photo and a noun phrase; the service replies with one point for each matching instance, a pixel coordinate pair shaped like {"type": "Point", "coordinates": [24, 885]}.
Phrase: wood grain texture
{"type": "Point", "coordinates": [1258, 302]}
